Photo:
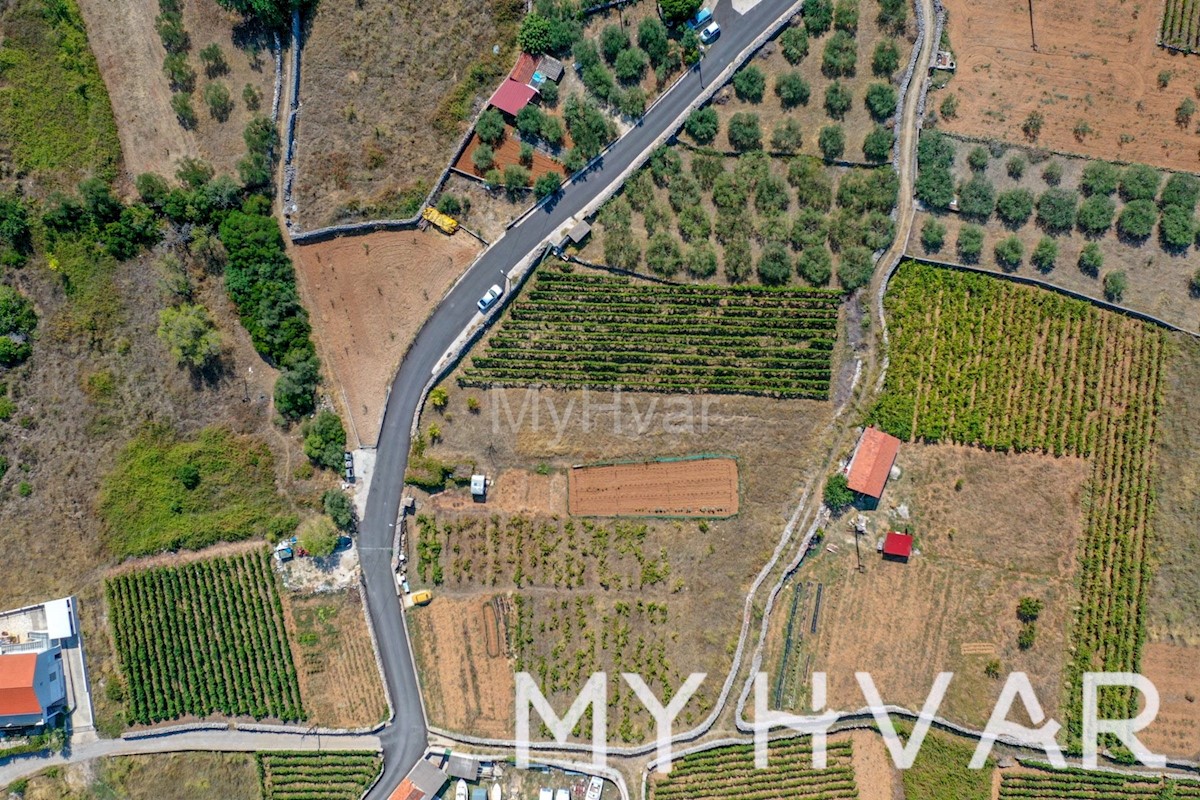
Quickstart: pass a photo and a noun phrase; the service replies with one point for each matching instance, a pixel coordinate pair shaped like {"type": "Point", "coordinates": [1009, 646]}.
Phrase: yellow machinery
{"type": "Point", "coordinates": [445, 223]}
{"type": "Point", "coordinates": [422, 596]}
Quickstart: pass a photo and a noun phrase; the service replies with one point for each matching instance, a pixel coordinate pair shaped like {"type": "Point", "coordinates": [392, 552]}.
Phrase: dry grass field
{"type": "Point", "coordinates": [176, 776]}
{"type": "Point", "coordinates": [367, 297]}
{"type": "Point", "coordinates": [706, 487]}
{"type": "Point", "coordinates": [1175, 672]}
{"type": "Point", "coordinates": [953, 606]}
{"type": "Point", "coordinates": [1096, 61]}
{"type": "Point", "coordinates": [376, 83]}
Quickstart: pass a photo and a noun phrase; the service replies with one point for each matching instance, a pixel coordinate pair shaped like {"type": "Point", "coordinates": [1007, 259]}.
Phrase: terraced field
{"type": "Point", "coordinates": [317, 776]}
{"type": "Point", "coordinates": [1075, 784]}
{"type": "Point", "coordinates": [571, 329]}
{"type": "Point", "coordinates": [728, 772]}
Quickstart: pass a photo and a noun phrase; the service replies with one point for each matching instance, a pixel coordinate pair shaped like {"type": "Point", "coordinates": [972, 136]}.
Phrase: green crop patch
{"type": "Point", "coordinates": [331, 775]}
{"type": "Point", "coordinates": [1086, 784]}
{"type": "Point", "coordinates": [569, 330]}
{"type": "Point", "coordinates": [204, 638]}
{"type": "Point", "coordinates": [54, 111]}
{"type": "Point", "coordinates": [168, 493]}
{"type": "Point", "coordinates": [728, 772]}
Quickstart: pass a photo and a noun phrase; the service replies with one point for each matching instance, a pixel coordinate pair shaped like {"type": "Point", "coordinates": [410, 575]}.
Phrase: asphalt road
{"type": "Point", "coordinates": [405, 739]}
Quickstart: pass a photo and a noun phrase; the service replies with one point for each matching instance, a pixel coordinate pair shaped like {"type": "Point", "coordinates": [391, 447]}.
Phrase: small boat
{"type": "Point", "coordinates": [495, 793]}
{"type": "Point", "coordinates": [595, 786]}
{"type": "Point", "coordinates": [562, 794]}
{"type": "Point", "coordinates": [460, 791]}
{"type": "Point", "coordinates": [545, 794]}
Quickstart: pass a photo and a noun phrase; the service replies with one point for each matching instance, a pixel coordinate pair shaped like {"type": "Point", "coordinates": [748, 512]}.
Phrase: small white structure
{"type": "Point", "coordinates": [479, 487]}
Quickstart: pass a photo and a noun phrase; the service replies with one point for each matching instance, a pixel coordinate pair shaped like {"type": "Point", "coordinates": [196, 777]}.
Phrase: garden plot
{"type": "Point", "coordinates": [1098, 80]}
{"type": "Point", "coordinates": [702, 487]}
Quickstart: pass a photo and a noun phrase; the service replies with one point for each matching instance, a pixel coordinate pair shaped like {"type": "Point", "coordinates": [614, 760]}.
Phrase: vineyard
{"type": "Point", "coordinates": [327, 775]}
{"type": "Point", "coordinates": [204, 638]}
{"type": "Point", "coordinates": [980, 361]}
{"type": "Point", "coordinates": [1181, 25]}
{"type": "Point", "coordinates": [1070, 784]}
{"type": "Point", "coordinates": [728, 772]}
{"type": "Point", "coordinates": [569, 330]}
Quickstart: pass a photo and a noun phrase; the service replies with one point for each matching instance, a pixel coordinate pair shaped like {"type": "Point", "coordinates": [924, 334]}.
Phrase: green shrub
{"type": "Point", "coordinates": [845, 15]}
{"type": "Point", "coordinates": [881, 101]}
{"type": "Point", "coordinates": [1091, 259]}
{"type": "Point", "coordinates": [1114, 286]}
{"type": "Point", "coordinates": [1045, 254]}
{"type": "Point", "coordinates": [813, 187]}
{"type": "Point", "coordinates": [1176, 228]}
{"type": "Point", "coordinates": [1028, 609]}
{"type": "Point", "coordinates": [771, 195]}
{"type": "Point", "coordinates": [1009, 252]}
{"type": "Point", "coordinates": [837, 100]}
{"type": "Point", "coordinates": [701, 260]}
{"type": "Point", "coordinates": [886, 59]}
{"type": "Point", "coordinates": [1181, 190]}
{"type": "Point", "coordinates": [837, 492]}
{"type": "Point", "coordinates": [190, 335]}
{"type": "Point", "coordinates": [787, 137]}
{"type": "Point", "coordinates": [749, 84]}
{"type": "Point", "coordinates": [630, 65]}
{"type": "Point", "coordinates": [791, 89]}
{"type": "Point", "coordinates": [933, 235]}
{"type": "Point", "coordinates": [490, 127]}
{"type": "Point", "coordinates": [185, 114]}
{"type": "Point", "coordinates": [855, 268]}
{"type": "Point", "coordinates": [794, 43]}
{"type": "Point", "coordinates": [744, 132]}
{"type": "Point", "coordinates": [877, 146]}
{"type": "Point", "coordinates": [1096, 214]}
{"type": "Point", "coordinates": [976, 199]}
{"type": "Point", "coordinates": [213, 60]}
{"type": "Point", "coordinates": [1015, 167]}
{"type": "Point", "coordinates": [1099, 178]}
{"type": "Point", "coordinates": [1136, 221]}
{"type": "Point", "coordinates": [774, 265]}
{"type": "Point", "coordinates": [832, 141]}
{"type": "Point", "coordinates": [547, 184]}
{"type": "Point", "coordinates": [818, 16]}
{"type": "Point", "coordinates": [317, 536]}
{"type": "Point", "coordinates": [324, 439]}
{"type": "Point", "coordinates": [662, 254]}
{"type": "Point", "coordinates": [840, 56]}
{"type": "Point", "coordinates": [218, 100]}
{"type": "Point", "coordinates": [978, 158]}
{"type": "Point", "coordinates": [949, 107]}
{"type": "Point", "coordinates": [702, 124]}
{"type": "Point", "coordinates": [1139, 182]}
{"type": "Point", "coordinates": [737, 260]}
{"type": "Point", "coordinates": [1052, 173]}
{"type": "Point", "coordinates": [1014, 207]}
{"type": "Point", "coordinates": [18, 320]}
{"type": "Point", "coordinates": [613, 41]}
{"type": "Point", "coordinates": [1056, 210]}
{"type": "Point", "coordinates": [970, 243]}
{"type": "Point", "coordinates": [815, 265]}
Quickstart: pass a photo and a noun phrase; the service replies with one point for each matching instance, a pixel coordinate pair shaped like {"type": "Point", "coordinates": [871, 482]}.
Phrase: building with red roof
{"type": "Point", "coordinates": [33, 688]}
{"type": "Point", "coordinates": [872, 462]}
{"type": "Point", "coordinates": [423, 782]}
{"type": "Point", "coordinates": [523, 71]}
{"type": "Point", "coordinates": [897, 546]}
{"type": "Point", "coordinates": [511, 97]}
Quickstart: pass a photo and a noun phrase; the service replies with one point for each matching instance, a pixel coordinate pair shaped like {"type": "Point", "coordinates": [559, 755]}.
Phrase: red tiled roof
{"type": "Point", "coordinates": [406, 791]}
{"type": "Point", "coordinates": [898, 545]}
{"type": "Point", "coordinates": [523, 71]}
{"type": "Point", "coordinates": [872, 462]}
{"type": "Point", "coordinates": [16, 685]}
{"type": "Point", "coordinates": [511, 97]}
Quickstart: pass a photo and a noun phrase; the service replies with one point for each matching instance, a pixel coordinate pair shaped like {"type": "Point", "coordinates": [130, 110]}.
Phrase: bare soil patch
{"type": "Point", "coordinates": [1096, 61]}
{"type": "Point", "coordinates": [508, 152]}
{"type": "Point", "coordinates": [373, 82]}
{"type": "Point", "coordinates": [487, 211]}
{"type": "Point", "coordinates": [466, 687]}
{"type": "Point", "coordinates": [367, 297]}
{"type": "Point", "coordinates": [130, 55]}
{"type": "Point", "coordinates": [1008, 532]}
{"type": "Point", "coordinates": [1175, 672]}
{"type": "Point", "coordinates": [335, 661]}
{"type": "Point", "coordinates": [703, 487]}
{"type": "Point", "coordinates": [874, 773]}
{"type": "Point", "coordinates": [513, 491]}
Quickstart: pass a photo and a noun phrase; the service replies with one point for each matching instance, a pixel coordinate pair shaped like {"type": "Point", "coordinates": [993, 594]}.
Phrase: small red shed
{"type": "Point", "coordinates": [897, 546]}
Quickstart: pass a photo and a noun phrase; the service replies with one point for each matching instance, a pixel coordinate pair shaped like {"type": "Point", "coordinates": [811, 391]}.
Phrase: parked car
{"type": "Point", "coordinates": [710, 32]}
{"type": "Point", "coordinates": [702, 18]}
{"type": "Point", "coordinates": [489, 298]}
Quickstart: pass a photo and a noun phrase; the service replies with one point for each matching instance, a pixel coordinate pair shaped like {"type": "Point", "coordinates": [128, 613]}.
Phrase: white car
{"type": "Point", "coordinates": [710, 32]}
{"type": "Point", "coordinates": [489, 299]}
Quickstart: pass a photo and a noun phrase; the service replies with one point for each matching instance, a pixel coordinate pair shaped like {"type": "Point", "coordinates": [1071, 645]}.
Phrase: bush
{"type": "Point", "coordinates": [837, 100]}
{"type": "Point", "coordinates": [837, 492]}
{"type": "Point", "coordinates": [744, 132]}
{"type": "Point", "coordinates": [218, 100]}
{"type": "Point", "coordinates": [529, 120]}
{"type": "Point", "coordinates": [483, 158]}
{"type": "Point", "coordinates": [1015, 167]}
{"type": "Point", "coordinates": [786, 138]}
{"type": "Point", "coordinates": [549, 94]}
{"type": "Point", "coordinates": [324, 439]}
{"type": "Point", "coordinates": [771, 195]}
{"type": "Point", "coordinates": [855, 268]}
{"type": "Point", "coordinates": [652, 39]}
{"type": "Point", "coordinates": [1091, 259]}
{"type": "Point", "coordinates": [893, 14]}
{"type": "Point", "coordinates": [613, 42]}
{"type": "Point", "coordinates": [1114, 286]}
{"type": "Point", "coordinates": [252, 97]}
{"type": "Point", "coordinates": [534, 36]}
{"type": "Point", "coordinates": [701, 260]}
{"type": "Point", "coordinates": [702, 124]}
{"type": "Point", "coordinates": [749, 84]}
{"type": "Point", "coordinates": [1052, 174]}
{"type": "Point", "coordinates": [729, 193]}
{"type": "Point", "coordinates": [1014, 206]}
{"type": "Point", "coordinates": [840, 56]}
{"type": "Point", "coordinates": [832, 141]}
{"type": "Point", "coordinates": [813, 187]}
{"type": "Point", "coordinates": [632, 103]}
{"type": "Point", "coordinates": [630, 65]}
{"type": "Point", "coordinates": [775, 265]}
{"type": "Point", "coordinates": [794, 43]}
{"type": "Point", "coordinates": [934, 149]}
{"type": "Point", "coordinates": [1176, 228]}
{"type": "Point", "coordinates": [14, 227]}
{"type": "Point", "coordinates": [516, 177]}
{"type": "Point", "coordinates": [662, 254]}
{"type": "Point", "coordinates": [590, 128]}
{"type": "Point", "coordinates": [1009, 252]}
{"type": "Point", "coordinates": [1032, 126]}
{"type": "Point", "coordinates": [551, 130]}
{"type": "Point", "coordinates": [877, 147]}
{"type": "Point", "coordinates": [1136, 221]}
{"type": "Point", "coordinates": [665, 164]}
{"type": "Point", "coordinates": [189, 333]}
{"type": "Point", "coordinates": [949, 107]}
{"type": "Point", "coordinates": [317, 536]}
{"type": "Point", "coordinates": [791, 89]}
{"type": "Point", "coordinates": [181, 104]}
{"type": "Point", "coordinates": [978, 158]}
{"type": "Point", "coordinates": [213, 60]}
{"type": "Point", "coordinates": [339, 508]}
{"type": "Point", "coordinates": [1056, 210]}
{"type": "Point", "coordinates": [1028, 609]}
{"type": "Point", "coordinates": [1045, 254]}
{"type": "Point", "coordinates": [737, 259]}
{"type": "Point", "coordinates": [17, 323]}
{"type": "Point", "coordinates": [1099, 178]}
{"type": "Point", "coordinates": [1096, 214]}
{"type": "Point", "coordinates": [869, 190]}
{"type": "Point", "coordinates": [546, 185]}
{"type": "Point", "coordinates": [976, 199]}
{"type": "Point", "coordinates": [1026, 637]}
{"type": "Point", "coordinates": [1181, 190]}
{"type": "Point", "coordinates": [1139, 182]}
{"type": "Point", "coordinates": [490, 127]}
{"type": "Point", "coordinates": [679, 10]}
{"type": "Point", "coordinates": [881, 102]}
{"type": "Point", "coordinates": [970, 243]}
{"type": "Point", "coordinates": [818, 16]}
{"type": "Point", "coordinates": [845, 15]}
{"type": "Point", "coordinates": [886, 59]}
{"type": "Point", "coordinates": [933, 235]}
{"type": "Point", "coordinates": [815, 265]}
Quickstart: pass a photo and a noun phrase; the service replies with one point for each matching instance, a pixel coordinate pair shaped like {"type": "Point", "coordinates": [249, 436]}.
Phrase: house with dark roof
{"type": "Point", "coordinates": [872, 463]}
{"type": "Point", "coordinates": [33, 688]}
{"type": "Point", "coordinates": [423, 782]}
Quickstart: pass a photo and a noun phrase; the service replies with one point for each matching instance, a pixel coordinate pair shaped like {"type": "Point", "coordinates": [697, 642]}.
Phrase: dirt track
{"type": "Point", "coordinates": [368, 296]}
{"type": "Point", "coordinates": [1096, 61]}
{"type": "Point", "coordinates": [705, 487]}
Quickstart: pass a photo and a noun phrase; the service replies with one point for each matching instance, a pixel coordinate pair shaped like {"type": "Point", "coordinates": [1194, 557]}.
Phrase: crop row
{"type": "Point", "coordinates": [331, 775]}
{"type": "Point", "coordinates": [980, 361]}
{"type": "Point", "coordinates": [568, 280]}
{"type": "Point", "coordinates": [1181, 24]}
{"type": "Point", "coordinates": [204, 638]}
{"type": "Point", "coordinates": [728, 772]}
{"type": "Point", "coordinates": [1070, 784]}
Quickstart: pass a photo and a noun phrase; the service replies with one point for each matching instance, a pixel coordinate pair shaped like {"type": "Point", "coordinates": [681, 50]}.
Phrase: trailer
{"type": "Point", "coordinates": [444, 222]}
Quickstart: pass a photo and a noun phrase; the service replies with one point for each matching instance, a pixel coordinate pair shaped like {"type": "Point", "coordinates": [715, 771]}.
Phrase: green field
{"type": "Point", "coordinates": [204, 638]}
{"type": "Point", "coordinates": [941, 772]}
{"type": "Point", "coordinates": [569, 329]}
{"type": "Point", "coordinates": [728, 772]}
{"type": "Point", "coordinates": [1181, 25]}
{"type": "Point", "coordinates": [54, 110]}
{"type": "Point", "coordinates": [329, 775]}
{"type": "Point", "coordinates": [148, 507]}
{"type": "Point", "coordinates": [1077, 784]}
{"type": "Point", "coordinates": [982, 361]}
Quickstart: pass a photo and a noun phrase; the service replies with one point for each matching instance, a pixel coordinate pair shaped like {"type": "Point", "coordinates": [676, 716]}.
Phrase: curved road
{"type": "Point", "coordinates": [405, 737]}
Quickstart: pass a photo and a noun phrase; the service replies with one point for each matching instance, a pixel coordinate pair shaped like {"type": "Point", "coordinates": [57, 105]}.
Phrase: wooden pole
{"type": "Point", "coordinates": [1032, 33]}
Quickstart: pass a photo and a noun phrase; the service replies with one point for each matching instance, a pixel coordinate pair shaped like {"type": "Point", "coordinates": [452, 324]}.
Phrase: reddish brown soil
{"type": "Point", "coordinates": [1175, 672]}
{"type": "Point", "coordinates": [367, 297]}
{"type": "Point", "coordinates": [508, 152]}
{"type": "Point", "coordinates": [706, 487]}
{"type": "Point", "coordinates": [1096, 61]}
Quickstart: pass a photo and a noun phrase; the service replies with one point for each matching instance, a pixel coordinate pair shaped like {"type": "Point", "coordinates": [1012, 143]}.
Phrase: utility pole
{"type": "Point", "coordinates": [1032, 33]}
